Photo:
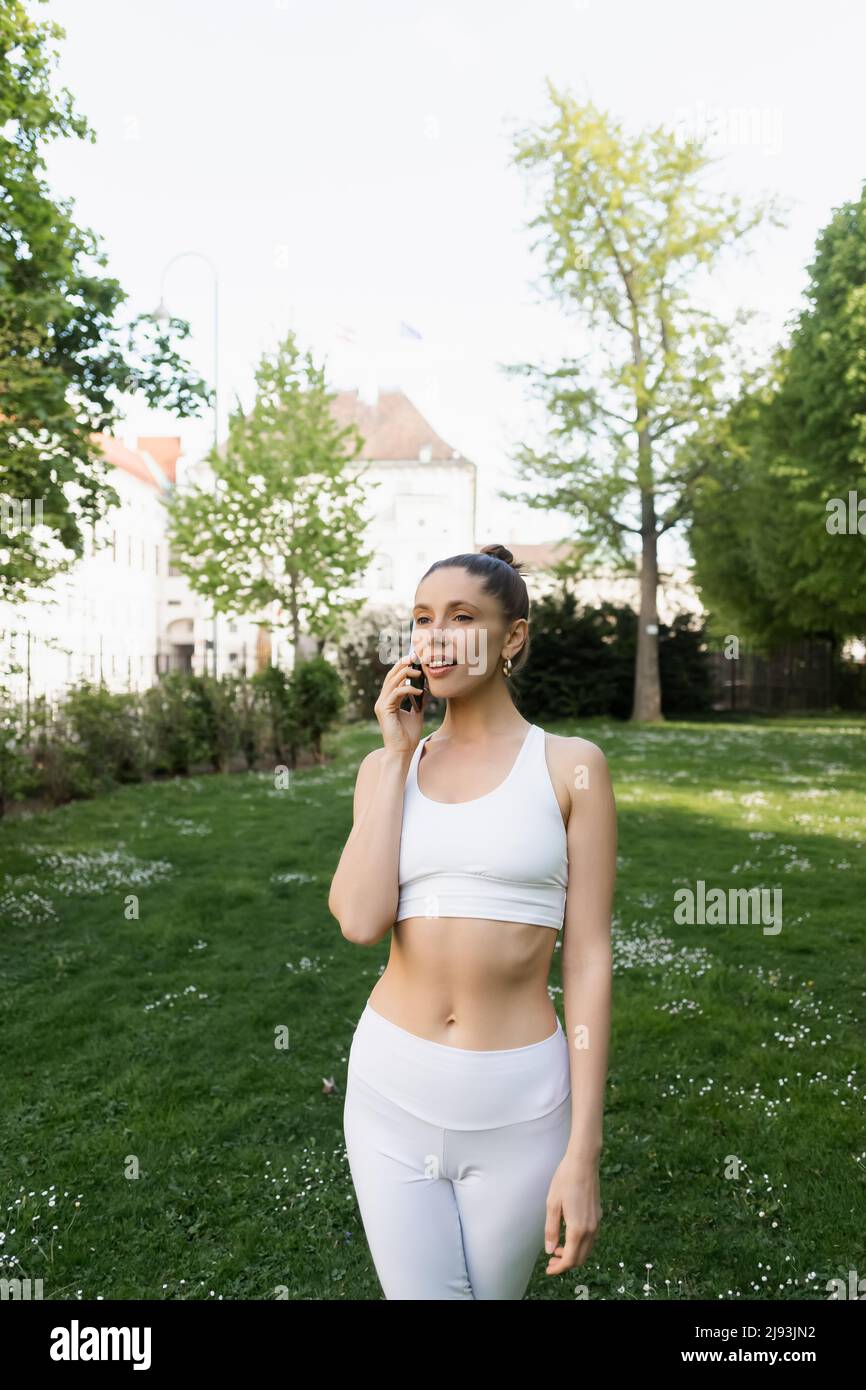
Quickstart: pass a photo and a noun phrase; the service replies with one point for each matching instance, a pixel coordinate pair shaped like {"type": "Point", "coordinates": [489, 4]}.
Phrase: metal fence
{"type": "Point", "coordinates": [119, 673]}
{"type": "Point", "coordinates": [790, 679]}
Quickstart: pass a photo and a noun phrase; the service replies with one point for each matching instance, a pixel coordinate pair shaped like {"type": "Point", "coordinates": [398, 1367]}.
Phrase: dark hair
{"type": "Point", "coordinates": [501, 576]}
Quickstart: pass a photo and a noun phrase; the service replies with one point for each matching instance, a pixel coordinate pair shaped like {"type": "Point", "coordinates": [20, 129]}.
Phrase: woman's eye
{"type": "Point", "coordinates": [467, 616]}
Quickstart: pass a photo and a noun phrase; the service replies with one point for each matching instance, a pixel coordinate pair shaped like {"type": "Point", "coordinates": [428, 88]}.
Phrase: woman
{"type": "Point", "coordinates": [472, 1129]}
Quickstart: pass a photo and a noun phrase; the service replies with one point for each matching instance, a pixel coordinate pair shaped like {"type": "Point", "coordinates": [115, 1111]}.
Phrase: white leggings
{"type": "Point", "coordinates": [451, 1152]}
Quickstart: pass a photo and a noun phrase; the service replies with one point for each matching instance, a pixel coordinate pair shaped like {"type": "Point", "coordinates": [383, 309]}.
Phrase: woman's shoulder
{"type": "Point", "coordinates": [574, 745]}
{"type": "Point", "coordinates": [577, 763]}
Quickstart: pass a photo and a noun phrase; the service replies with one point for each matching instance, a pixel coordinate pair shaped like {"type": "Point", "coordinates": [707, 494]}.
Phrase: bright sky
{"type": "Point", "coordinates": [345, 164]}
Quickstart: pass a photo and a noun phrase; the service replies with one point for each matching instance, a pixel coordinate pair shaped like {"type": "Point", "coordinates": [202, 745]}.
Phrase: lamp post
{"type": "Point", "coordinates": [161, 314]}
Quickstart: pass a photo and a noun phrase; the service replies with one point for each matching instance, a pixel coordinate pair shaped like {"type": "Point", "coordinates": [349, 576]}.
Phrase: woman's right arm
{"type": "Point", "coordinates": [365, 888]}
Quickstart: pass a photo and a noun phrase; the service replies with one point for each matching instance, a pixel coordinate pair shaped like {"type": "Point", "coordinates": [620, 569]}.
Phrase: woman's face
{"type": "Point", "coordinates": [458, 631]}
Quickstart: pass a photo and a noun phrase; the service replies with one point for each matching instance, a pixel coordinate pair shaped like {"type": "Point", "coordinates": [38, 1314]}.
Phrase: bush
{"type": "Point", "coordinates": [250, 720]}
{"type": "Point", "coordinates": [274, 700]}
{"type": "Point", "coordinates": [687, 685]}
{"type": "Point", "coordinates": [582, 662]}
{"type": "Point", "coordinates": [173, 725]}
{"type": "Point", "coordinates": [216, 718]}
{"type": "Point", "coordinates": [317, 700]}
{"type": "Point", "coordinates": [97, 738]}
{"type": "Point", "coordinates": [60, 769]}
{"type": "Point", "coordinates": [106, 726]}
{"type": "Point", "coordinates": [849, 684]}
{"type": "Point", "coordinates": [17, 777]}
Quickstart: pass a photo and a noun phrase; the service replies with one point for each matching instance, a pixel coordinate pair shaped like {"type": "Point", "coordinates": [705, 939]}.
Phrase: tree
{"type": "Point", "coordinates": [769, 557]}
{"type": "Point", "coordinates": [626, 227]}
{"type": "Point", "coordinates": [282, 527]}
{"type": "Point", "coordinates": [64, 361]}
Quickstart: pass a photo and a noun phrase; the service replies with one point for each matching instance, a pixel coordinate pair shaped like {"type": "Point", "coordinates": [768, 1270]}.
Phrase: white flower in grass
{"type": "Point", "coordinates": [98, 870]}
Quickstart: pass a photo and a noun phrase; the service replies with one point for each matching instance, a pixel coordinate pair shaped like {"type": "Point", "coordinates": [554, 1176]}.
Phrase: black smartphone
{"type": "Point", "coordinates": [418, 681]}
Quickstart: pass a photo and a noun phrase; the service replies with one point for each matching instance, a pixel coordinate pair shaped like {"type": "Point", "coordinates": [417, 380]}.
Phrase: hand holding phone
{"type": "Point", "coordinates": [419, 682]}
{"type": "Point", "coordinates": [403, 685]}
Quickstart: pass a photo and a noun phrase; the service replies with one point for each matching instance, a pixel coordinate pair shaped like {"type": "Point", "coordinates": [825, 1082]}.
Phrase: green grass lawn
{"type": "Point", "coordinates": [178, 1005]}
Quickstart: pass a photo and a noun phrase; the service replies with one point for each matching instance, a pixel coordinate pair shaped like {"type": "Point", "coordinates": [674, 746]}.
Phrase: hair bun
{"type": "Point", "coordinates": [500, 552]}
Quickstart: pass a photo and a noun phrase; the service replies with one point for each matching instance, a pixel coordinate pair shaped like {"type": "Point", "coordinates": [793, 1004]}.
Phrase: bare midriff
{"type": "Point", "coordinates": [469, 982]}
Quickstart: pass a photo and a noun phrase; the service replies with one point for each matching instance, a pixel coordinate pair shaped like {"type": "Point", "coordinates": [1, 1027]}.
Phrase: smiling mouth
{"type": "Point", "coordinates": [436, 667]}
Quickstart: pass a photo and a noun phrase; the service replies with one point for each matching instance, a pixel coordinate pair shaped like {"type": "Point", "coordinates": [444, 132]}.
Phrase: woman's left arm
{"type": "Point", "coordinates": [587, 970]}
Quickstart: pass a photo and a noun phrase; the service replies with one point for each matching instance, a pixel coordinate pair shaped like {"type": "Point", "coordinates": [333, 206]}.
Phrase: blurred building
{"type": "Point", "coordinates": [421, 492]}
{"type": "Point", "coordinates": [125, 614]}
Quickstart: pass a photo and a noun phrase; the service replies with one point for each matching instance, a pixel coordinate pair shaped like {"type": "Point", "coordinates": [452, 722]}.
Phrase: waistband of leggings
{"type": "Point", "coordinates": [457, 1058]}
{"type": "Point", "coordinates": [456, 1087]}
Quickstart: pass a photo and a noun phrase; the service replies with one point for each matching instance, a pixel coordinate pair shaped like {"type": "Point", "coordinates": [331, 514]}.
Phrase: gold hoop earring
{"type": "Point", "coordinates": [506, 667]}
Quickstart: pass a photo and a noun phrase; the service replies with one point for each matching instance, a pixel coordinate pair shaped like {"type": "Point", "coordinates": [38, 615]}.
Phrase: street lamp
{"type": "Point", "coordinates": [162, 314]}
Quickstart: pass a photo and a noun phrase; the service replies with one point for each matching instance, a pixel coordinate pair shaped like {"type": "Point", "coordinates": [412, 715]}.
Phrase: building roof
{"type": "Point", "coordinates": [154, 465]}
{"type": "Point", "coordinates": [393, 428]}
{"type": "Point", "coordinates": [164, 449]}
{"type": "Point", "coordinates": [536, 556]}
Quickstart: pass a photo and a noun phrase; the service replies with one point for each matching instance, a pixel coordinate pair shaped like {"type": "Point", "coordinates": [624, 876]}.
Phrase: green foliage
{"type": "Point", "coordinates": [581, 662]}
{"type": "Point", "coordinates": [65, 363]}
{"type": "Point", "coordinates": [16, 772]}
{"type": "Point", "coordinates": [217, 720]}
{"type": "Point", "coordinates": [849, 684]}
{"type": "Point", "coordinates": [59, 763]}
{"type": "Point", "coordinates": [96, 738]}
{"type": "Point", "coordinates": [687, 684]}
{"type": "Point", "coordinates": [626, 230]}
{"type": "Point", "coordinates": [282, 527]}
{"type": "Point", "coordinates": [273, 694]}
{"type": "Point", "coordinates": [249, 718]}
{"type": "Point", "coordinates": [764, 557]}
{"type": "Point", "coordinates": [318, 698]}
{"type": "Point", "coordinates": [624, 227]}
{"type": "Point", "coordinates": [106, 728]}
{"type": "Point", "coordinates": [173, 724]}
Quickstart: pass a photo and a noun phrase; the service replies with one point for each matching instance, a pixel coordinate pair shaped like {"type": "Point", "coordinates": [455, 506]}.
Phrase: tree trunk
{"type": "Point", "coordinates": [647, 704]}
{"type": "Point", "coordinates": [295, 621]}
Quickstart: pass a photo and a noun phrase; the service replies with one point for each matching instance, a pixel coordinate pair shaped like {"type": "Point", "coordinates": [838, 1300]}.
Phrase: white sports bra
{"type": "Point", "coordinates": [503, 855]}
